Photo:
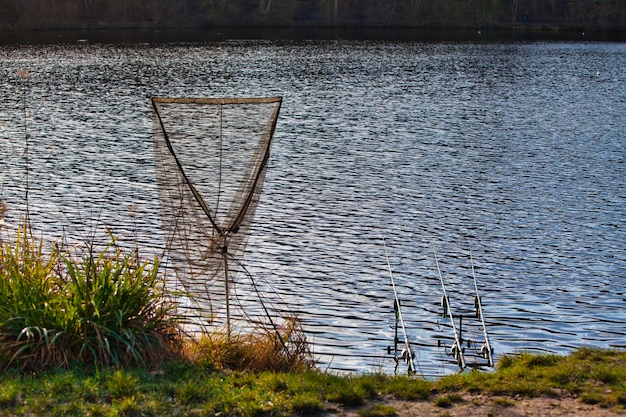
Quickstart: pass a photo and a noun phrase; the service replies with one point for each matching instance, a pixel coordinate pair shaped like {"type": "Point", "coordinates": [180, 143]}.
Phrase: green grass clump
{"type": "Point", "coordinates": [59, 308]}
{"type": "Point", "coordinates": [306, 403]}
{"type": "Point", "coordinates": [9, 394]}
{"type": "Point", "coordinates": [445, 401]}
{"type": "Point", "coordinates": [121, 384]}
{"type": "Point", "coordinates": [408, 388]}
{"type": "Point", "coordinates": [503, 402]}
{"type": "Point", "coordinates": [377, 410]}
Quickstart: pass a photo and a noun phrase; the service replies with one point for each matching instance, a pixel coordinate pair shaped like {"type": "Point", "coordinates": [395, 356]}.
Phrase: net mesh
{"type": "Point", "coordinates": [211, 157]}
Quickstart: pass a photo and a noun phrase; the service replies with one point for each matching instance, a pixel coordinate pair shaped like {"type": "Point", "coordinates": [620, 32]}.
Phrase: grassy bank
{"type": "Point", "coordinates": [185, 388]}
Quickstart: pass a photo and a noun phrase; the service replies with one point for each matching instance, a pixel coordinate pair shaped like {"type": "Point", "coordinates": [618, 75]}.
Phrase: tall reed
{"type": "Point", "coordinates": [62, 307]}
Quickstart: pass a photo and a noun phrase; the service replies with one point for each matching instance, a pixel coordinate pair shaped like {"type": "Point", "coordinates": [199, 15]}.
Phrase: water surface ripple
{"type": "Point", "coordinates": [515, 148]}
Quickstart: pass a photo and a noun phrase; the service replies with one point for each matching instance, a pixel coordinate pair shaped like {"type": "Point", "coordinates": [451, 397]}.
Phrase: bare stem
{"type": "Point", "coordinates": [25, 76]}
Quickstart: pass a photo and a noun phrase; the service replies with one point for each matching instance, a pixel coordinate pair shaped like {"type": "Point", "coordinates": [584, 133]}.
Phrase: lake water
{"type": "Point", "coordinates": [516, 148]}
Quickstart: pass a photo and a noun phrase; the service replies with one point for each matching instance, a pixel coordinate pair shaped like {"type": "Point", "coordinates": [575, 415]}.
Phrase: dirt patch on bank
{"type": "Point", "coordinates": [474, 405]}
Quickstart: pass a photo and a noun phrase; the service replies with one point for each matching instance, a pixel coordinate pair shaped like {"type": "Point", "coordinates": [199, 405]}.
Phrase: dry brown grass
{"type": "Point", "coordinates": [283, 349]}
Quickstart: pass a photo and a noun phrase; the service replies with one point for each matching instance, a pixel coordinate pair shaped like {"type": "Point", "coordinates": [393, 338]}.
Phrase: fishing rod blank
{"type": "Point", "coordinates": [486, 350]}
{"type": "Point", "coordinates": [457, 350]}
{"type": "Point", "coordinates": [407, 354]}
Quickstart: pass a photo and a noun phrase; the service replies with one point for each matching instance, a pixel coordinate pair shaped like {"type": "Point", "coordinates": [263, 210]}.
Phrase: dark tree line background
{"type": "Point", "coordinates": [86, 14]}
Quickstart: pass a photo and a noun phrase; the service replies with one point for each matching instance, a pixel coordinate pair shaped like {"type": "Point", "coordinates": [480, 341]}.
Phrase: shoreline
{"type": "Point", "coordinates": [357, 33]}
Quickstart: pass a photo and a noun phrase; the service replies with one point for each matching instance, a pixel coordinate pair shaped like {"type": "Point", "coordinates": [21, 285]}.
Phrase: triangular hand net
{"type": "Point", "coordinates": [211, 157]}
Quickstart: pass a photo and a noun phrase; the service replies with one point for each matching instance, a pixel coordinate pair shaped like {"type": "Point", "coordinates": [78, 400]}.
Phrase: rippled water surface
{"type": "Point", "coordinates": [517, 149]}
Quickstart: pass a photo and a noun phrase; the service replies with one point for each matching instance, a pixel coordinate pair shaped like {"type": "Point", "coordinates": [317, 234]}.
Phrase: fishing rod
{"type": "Point", "coordinates": [457, 350]}
{"type": "Point", "coordinates": [407, 354]}
{"type": "Point", "coordinates": [486, 349]}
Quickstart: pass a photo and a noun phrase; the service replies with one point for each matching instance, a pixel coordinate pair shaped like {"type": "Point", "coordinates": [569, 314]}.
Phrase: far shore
{"type": "Point", "coordinates": [166, 35]}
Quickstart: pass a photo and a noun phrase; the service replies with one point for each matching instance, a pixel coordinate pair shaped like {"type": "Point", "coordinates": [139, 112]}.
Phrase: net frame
{"type": "Point", "coordinates": [203, 242]}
